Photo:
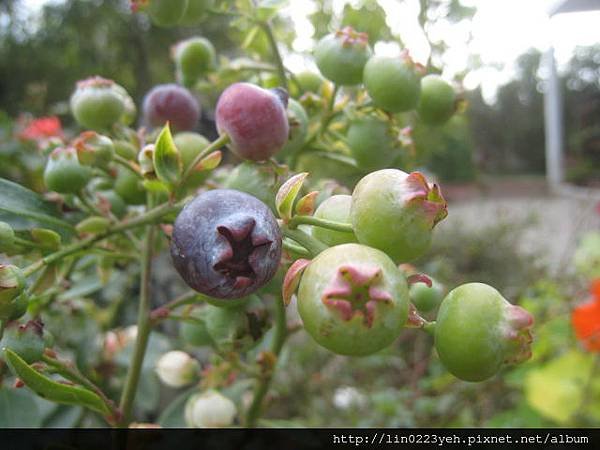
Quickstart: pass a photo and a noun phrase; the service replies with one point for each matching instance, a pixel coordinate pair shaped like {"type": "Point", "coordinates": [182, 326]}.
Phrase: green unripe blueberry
{"type": "Point", "coordinates": [259, 180]}
{"type": "Point", "coordinates": [427, 298]}
{"type": "Point", "coordinates": [341, 56]}
{"type": "Point", "coordinates": [308, 82]}
{"type": "Point", "coordinates": [26, 340]}
{"type": "Point", "coordinates": [96, 104]}
{"type": "Point", "coordinates": [130, 110]}
{"type": "Point", "coordinates": [117, 205]}
{"type": "Point", "coordinates": [193, 58]}
{"type": "Point", "coordinates": [94, 149]}
{"type": "Point", "coordinates": [129, 187]}
{"type": "Point", "coordinates": [353, 300]}
{"type": "Point", "coordinates": [437, 101]}
{"type": "Point", "coordinates": [195, 332]}
{"type": "Point", "coordinates": [125, 149]}
{"type": "Point", "coordinates": [190, 144]}
{"type": "Point", "coordinates": [64, 173]}
{"type": "Point", "coordinates": [478, 331]}
{"type": "Point", "coordinates": [392, 83]}
{"type": "Point", "coordinates": [229, 326]}
{"type": "Point", "coordinates": [337, 209]}
{"type": "Point", "coordinates": [166, 13]}
{"type": "Point", "coordinates": [396, 212]}
{"type": "Point", "coordinates": [371, 143]}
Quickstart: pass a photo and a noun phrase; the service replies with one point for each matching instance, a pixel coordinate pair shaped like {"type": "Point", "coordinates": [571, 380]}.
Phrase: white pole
{"type": "Point", "coordinates": [553, 123]}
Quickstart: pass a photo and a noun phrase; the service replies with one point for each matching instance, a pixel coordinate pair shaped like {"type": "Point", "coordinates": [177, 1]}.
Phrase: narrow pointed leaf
{"type": "Point", "coordinates": [52, 390]}
{"type": "Point", "coordinates": [23, 209]}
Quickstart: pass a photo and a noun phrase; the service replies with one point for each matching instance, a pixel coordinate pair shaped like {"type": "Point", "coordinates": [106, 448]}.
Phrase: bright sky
{"type": "Point", "coordinates": [502, 30]}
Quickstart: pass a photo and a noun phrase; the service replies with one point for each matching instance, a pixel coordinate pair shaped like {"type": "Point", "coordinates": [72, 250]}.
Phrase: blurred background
{"type": "Point", "coordinates": [520, 167]}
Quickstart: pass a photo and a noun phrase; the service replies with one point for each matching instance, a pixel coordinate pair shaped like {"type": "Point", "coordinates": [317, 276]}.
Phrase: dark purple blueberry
{"type": "Point", "coordinates": [172, 103]}
{"type": "Point", "coordinates": [226, 244]}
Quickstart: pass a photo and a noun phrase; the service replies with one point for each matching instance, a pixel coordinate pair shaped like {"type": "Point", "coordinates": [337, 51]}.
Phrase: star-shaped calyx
{"type": "Point", "coordinates": [355, 291]}
{"type": "Point", "coordinates": [243, 247]}
{"type": "Point", "coordinates": [350, 37]}
{"type": "Point", "coordinates": [428, 198]}
{"type": "Point", "coordinates": [517, 332]}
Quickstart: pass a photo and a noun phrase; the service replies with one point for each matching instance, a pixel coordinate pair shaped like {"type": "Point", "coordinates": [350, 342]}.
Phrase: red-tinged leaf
{"type": "Point", "coordinates": [306, 205]}
{"type": "Point", "coordinates": [210, 161]}
{"type": "Point", "coordinates": [419, 278]}
{"type": "Point", "coordinates": [292, 279]}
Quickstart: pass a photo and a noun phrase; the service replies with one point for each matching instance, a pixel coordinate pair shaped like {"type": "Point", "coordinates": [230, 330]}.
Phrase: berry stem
{"type": "Point", "coordinates": [129, 165]}
{"type": "Point", "coordinates": [263, 383]}
{"type": "Point", "coordinates": [278, 60]}
{"type": "Point", "coordinates": [214, 145]}
{"type": "Point", "coordinates": [87, 205]}
{"type": "Point", "coordinates": [26, 243]}
{"type": "Point", "coordinates": [165, 311]}
{"type": "Point", "coordinates": [71, 373]}
{"type": "Point", "coordinates": [143, 330]}
{"type": "Point", "coordinates": [429, 327]}
{"type": "Point", "coordinates": [149, 217]}
{"type": "Point", "coordinates": [323, 223]}
{"type": "Point", "coordinates": [311, 244]}
{"type": "Point", "coordinates": [296, 249]}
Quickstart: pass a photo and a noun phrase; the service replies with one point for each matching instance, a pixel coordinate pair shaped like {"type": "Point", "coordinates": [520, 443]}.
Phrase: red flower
{"type": "Point", "coordinates": [42, 129]}
{"type": "Point", "coordinates": [586, 320]}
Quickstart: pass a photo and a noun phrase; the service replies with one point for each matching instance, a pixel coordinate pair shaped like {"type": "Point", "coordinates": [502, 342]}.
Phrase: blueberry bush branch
{"type": "Point", "coordinates": [316, 200]}
{"type": "Point", "coordinates": [144, 329]}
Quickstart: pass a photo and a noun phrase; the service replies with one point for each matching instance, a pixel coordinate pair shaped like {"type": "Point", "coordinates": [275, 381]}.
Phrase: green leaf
{"type": "Point", "coordinates": [18, 409]}
{"type": "Point", "coordinates": [284, 200]}
{"type": "Point", "coordinates": [167, 160]}
{"type": "Point", "coordinates": [23, 209]}
{"type": "Point", "coordinates": [52, 390]}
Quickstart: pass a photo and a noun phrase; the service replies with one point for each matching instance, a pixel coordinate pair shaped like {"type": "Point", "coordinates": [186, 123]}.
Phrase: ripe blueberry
{"type": "Point", "coordinates": [173, 104]}
{"type": "Point", "coordinates": [255, 119]}
{"type": "Point", "coordinates": [226, 244]}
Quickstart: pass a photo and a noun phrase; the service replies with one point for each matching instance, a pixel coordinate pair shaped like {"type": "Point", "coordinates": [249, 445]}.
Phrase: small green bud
{"type": "Point", "coordinates": [26, 340]}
